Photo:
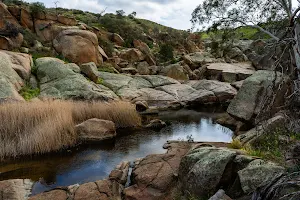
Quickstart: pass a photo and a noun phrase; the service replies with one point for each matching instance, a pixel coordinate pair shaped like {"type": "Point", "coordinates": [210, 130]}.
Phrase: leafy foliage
{"type": "Point", "coordinates": [166, 52]}
{"type": "Point", "coordinates": [120, 13]}
{"type": "Point", "coordinates": [233, 13]}
{"type": "Point", "coordinates": [36, 8]}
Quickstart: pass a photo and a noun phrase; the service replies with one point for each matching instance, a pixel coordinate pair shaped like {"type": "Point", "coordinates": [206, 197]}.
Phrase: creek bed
{"type": "Point", "coordinates": [94, 162]}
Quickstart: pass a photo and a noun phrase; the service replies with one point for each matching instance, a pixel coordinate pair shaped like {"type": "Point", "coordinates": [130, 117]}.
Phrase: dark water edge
{"type": "Point", "coordinates": [88, 163]}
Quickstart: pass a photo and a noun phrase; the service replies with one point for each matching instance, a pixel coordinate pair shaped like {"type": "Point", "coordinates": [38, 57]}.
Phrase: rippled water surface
{"type": "Point", "coordinates": [91, 163]}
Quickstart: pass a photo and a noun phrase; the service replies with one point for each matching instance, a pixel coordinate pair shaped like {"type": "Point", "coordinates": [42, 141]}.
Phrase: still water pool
{"type": "Point", "coordinates": [94, 162]}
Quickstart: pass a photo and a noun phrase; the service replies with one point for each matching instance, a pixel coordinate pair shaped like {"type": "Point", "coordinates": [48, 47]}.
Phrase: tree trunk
{"type": "Point", "coordinates": [297, 48]}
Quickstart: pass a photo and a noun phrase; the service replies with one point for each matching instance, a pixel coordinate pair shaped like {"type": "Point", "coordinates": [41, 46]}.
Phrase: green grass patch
{"type": "Point", "coordinates": [106, 67]}
{"type": "Point", "coordinates": [100, 81]}
{"type": "Point", "coordinates": [235, 144]}
{"type": "Point", "coordinates": [29, 93]}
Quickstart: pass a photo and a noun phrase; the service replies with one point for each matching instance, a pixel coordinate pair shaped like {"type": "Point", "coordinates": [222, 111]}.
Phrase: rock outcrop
{"type": "Point", "coordinates": [57, 80]}
{"type": "Point", "coordinates": [21, 63]}
{"type": "Point", "coordinates": [229, 72]}
{"type": "Point", "coordinates": [78, 46]}
{"type": "Point", "coordinates": [163, 91]}
{"type": "Point", "coordinates": [204, 170]}
{"type": "Point", "coordinates": [254, 92]}
{"type": "Point", "coordinates": [155, 176]}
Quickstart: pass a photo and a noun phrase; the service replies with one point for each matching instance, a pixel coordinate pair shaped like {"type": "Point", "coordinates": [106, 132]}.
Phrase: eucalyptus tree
{"type": "Point", "coordinates": [253, 13]}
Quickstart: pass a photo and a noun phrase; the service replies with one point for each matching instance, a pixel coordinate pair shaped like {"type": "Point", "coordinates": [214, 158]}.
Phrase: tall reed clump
{"type": "Point", "coordinates": [122, 113]}
{"type": "Point", "coordinates": [41, 127]}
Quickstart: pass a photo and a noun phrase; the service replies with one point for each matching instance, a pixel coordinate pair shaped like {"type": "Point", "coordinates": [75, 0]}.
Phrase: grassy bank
{"type": "Point", "coordinates": [41, 127]}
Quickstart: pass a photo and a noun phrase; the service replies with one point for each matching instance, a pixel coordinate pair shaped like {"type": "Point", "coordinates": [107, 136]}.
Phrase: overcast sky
{"type": "Point", "coordinates": [172, 13]}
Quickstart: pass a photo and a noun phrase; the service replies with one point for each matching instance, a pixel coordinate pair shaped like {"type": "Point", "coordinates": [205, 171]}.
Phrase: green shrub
{"type": "Point", "coordinates": [36, 8]}
{"type": "Point", "coordinates": [107, 46]}
{"type": "Point", "coordinates": [29, 38]}
{"type": "Point", "coordinates": [166, 52]}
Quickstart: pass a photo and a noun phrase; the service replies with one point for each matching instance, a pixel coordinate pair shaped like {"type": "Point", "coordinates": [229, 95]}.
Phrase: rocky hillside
{"type": "Point", "coordinates": [50, 54]}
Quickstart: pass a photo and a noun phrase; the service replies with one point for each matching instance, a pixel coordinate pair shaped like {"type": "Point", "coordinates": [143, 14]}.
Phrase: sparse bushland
{"type": "Point", "coordinates": [42, 127]}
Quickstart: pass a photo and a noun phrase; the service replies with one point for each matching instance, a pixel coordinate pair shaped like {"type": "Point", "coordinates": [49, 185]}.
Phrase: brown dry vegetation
{"type": "Point", "coordinates": [41, 127]}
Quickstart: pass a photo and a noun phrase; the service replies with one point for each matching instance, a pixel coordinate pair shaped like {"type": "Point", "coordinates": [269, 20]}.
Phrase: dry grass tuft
{"type": "Point", "coordinates": [41, 127]}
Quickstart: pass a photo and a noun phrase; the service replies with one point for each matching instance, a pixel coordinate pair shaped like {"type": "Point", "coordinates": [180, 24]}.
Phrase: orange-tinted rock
{"type": "Point", "coordinates": [132, 55]}
{"type": "Point", "coordinates": [54, 194]}
{"type": "Point", "coordinates": [78, 46]}
{"type": "Point", "coordinates": [69, 21]}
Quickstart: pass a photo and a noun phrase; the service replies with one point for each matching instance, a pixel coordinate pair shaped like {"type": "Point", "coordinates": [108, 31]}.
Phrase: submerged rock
{"type": "Point", "coordinates": [156, 124]}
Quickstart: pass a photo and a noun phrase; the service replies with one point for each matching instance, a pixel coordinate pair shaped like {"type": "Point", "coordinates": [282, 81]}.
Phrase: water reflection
{"type": "Point", "coordinates": [95, 162]}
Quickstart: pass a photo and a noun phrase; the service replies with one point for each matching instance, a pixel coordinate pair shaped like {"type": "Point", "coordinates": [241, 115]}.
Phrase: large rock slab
{"type": "Point", "coordinates": [202, 169]}
{"type": "Point", "coordinates": [188, 95]}
{"type": "Point", "coordinates": [158, 80]}
{"type": "Point", "coordinates": [114, 81]}
{"type": "Point", "coordinates": [15, 189]}
{"type": "Point", "coordinates": [223, 91]}
{"type": "Point", "coordinates": [78, 46]}
{"type": "Point", "coordinates": [251, 98]}
{"type": "Point", "coordinates": [229, 72]}
{"type": "Point", "coordinates": [59, 81]}
{"type": "Point", "coordinates": [257, 174]}
{"type": "Point", "coordinates": [96, 130]}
